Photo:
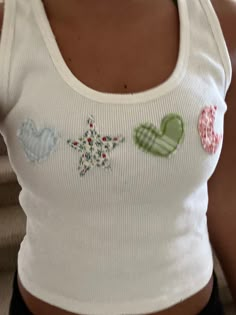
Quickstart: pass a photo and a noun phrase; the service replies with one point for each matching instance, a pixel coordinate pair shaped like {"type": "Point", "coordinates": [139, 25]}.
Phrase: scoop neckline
{"type": "Point", "coordinates": [168, 85]}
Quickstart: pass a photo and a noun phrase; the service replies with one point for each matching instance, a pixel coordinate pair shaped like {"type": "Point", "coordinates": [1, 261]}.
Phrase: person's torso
{"type": "Point", "coordinates": [115, 190]}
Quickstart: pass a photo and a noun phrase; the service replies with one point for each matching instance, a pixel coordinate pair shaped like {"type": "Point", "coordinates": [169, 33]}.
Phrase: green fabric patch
{"type": "Point", "coordinates": [161, 142]}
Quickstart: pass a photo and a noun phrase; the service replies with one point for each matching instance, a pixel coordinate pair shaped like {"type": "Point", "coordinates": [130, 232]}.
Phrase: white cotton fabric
{"type": "Point", "coordinates": [132, 239]}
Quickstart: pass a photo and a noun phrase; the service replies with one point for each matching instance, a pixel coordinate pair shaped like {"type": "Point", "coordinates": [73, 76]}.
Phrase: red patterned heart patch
{"type": "Point", "coordinates": [210, 140]}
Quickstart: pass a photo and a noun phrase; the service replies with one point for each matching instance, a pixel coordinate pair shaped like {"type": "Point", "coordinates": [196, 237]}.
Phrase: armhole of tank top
{"type": "Point", "coordinates": [219, 39]}
{"type": "Point", "coordinates": [6, 42]}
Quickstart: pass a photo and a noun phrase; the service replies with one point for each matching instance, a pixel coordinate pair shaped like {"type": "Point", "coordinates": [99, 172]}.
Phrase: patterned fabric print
{"type": "Point", "coordinates": [37, 144]}
{"type": "Point", "coordinates": [95, 148]}
{"type": "Point", "coordinates": [163, 142]}
{"type": "Point", "coordinates": [210, 140]}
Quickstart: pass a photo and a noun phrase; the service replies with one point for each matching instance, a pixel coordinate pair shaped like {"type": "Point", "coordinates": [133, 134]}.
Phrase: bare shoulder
{"type": "Point", "coordinates": [226, 12]}
{"type": "Point", "coordinates": [223, 196]}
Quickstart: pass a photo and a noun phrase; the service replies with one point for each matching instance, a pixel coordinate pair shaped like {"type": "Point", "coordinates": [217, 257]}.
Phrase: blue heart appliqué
{"type": "Point", "coordinates": [37, 144]}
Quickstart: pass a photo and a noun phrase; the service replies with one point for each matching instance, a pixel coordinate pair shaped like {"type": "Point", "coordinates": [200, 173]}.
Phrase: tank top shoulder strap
{"type": "Point", "coordinates": [207, 38]}
{"type": "Point", "coordinates": [21, 39]}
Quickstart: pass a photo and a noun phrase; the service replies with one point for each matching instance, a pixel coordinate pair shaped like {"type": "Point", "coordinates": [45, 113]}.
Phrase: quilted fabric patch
{"type": "Point", "coordinates": [163, 142]}
{"type": "Point", "coordinates": [210, 140]}
{"type": "Point", "coordinates": [37, 144]}
{"type": "Point", "coordinates": [95, 148]}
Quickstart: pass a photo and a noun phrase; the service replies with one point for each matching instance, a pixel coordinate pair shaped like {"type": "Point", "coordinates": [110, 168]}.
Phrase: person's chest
{"type": "Point", "coordinates": [108, 58]}
{"type": "Point", "coordinates": [119, 55]}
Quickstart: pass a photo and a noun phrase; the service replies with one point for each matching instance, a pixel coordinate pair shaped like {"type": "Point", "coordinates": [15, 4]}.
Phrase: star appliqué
{"type": "Point", "coordinates": [95, 149]}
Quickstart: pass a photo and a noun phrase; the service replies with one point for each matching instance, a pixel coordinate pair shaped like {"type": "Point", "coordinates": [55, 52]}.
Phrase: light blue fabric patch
{"type": "Point", "coordinates": [37, 144]}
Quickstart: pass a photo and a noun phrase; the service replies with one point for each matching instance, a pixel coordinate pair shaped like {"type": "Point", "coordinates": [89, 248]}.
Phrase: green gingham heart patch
{"type": "Point", "coordinates": [163, 142]}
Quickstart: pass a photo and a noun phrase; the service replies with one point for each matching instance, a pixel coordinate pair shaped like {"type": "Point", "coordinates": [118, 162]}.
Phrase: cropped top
{"type": "Point", "coordinates": [114, 186]}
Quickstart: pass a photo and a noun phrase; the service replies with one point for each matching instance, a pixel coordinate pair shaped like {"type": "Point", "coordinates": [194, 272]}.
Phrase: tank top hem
{"type": "Point", "coordinates": [121, 308]}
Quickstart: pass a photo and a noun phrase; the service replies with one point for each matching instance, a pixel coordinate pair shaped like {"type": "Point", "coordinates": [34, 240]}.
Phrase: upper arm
{"type": "Point", "coordinates": [221, 213]}
{"type": "Point", "coordinates": [222, 185]}
{"type": "Point", "coordinates": [226, 12]}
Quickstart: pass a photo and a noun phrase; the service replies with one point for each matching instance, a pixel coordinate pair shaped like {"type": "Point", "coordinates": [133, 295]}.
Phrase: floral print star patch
{"type": "Point", "coordinates": [95, 148]}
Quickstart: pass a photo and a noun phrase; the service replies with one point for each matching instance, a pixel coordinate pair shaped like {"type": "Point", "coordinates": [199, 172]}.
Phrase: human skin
{"type": "Point", "coordinates": [66, 18]}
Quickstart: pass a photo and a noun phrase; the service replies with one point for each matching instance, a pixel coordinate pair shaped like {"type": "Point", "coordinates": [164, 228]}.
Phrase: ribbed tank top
{"type": "Point", "coordinates": [114, 186]}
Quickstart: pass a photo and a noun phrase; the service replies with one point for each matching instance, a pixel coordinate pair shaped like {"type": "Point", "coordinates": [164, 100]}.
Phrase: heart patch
{"type": "Point", "coordinates": [210, 140]}
{"type": "Point", "coordinates": [163, 142]}
{"type": "Point", "coordinates": [37, 144]}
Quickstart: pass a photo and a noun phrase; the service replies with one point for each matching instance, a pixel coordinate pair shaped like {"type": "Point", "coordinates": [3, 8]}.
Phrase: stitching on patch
{"type": "Point", "coordinates": [95, 148]}
{"type": "Point", "coordinates": [162, 142]}
{"type": "Point", "coordinates": [38, 144]}
{"type": "Point", "coordinates": [209, 139]}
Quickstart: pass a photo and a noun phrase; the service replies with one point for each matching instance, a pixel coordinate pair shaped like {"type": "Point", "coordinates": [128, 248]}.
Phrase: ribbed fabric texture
{"type": "Point", "coordinates": [131, 238]}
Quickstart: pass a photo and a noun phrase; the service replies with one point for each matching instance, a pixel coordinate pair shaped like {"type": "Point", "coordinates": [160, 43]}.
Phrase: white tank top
{"type": "Point", "coordinates": [114, 186]}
